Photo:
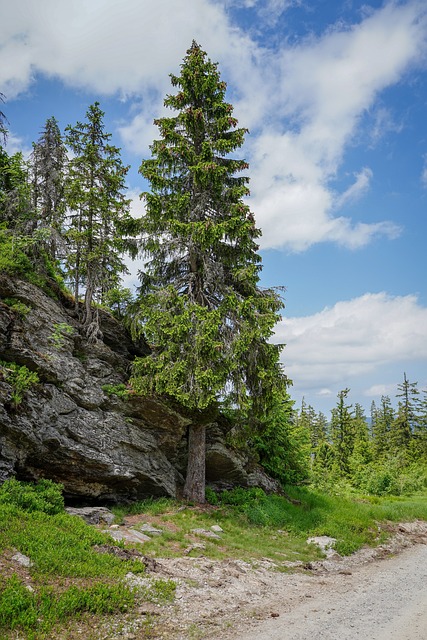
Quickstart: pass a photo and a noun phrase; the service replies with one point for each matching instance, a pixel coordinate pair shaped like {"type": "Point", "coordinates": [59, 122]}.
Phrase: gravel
{"type": "Point", "coordinates": [385, 600]}
{"type": "Point", "coordinates": [374, 594]}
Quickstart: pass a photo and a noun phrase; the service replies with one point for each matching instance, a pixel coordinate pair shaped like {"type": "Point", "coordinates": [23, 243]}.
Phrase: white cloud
{"type": "Point", "coordinates": [14, 144]}
{"type": "Point", "coordinates": [104, 45]}
{"type": "Point", "coordinates": [353, 338]}
{"type": "Point", "coordinates": [324, 87]}
{"type": "Point", "coordinates": [359, 187]}
{"type": "Point", "coordinates": [303, 103]}
{"type": "Point", "coordinates": [378, 390]}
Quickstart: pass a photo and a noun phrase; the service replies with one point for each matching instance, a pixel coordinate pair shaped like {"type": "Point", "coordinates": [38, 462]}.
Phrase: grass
{"type": "Point", "coordinates": [256, 525]}
{"type": "Point", "coordinates": [70, 589]}
{"type": "Point", "coordinates": [67, 580]}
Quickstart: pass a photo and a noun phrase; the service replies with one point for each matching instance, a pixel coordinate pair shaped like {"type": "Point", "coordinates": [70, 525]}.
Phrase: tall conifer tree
{"type": "Point", "coordinates": [99, 213]}
{"type": "Point", "coordinates": [201, 306]}
{"type": "Point", "coordinates": [342, 431]}
{"type": "Point", "coordinates": [48, 165]}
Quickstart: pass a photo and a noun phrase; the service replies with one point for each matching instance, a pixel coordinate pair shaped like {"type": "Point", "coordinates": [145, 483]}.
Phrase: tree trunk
{"type": "Point", "coordinates": [194, 489]}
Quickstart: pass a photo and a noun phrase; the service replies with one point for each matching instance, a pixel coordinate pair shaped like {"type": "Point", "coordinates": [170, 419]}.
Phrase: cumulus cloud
{"type": "Point", "coordinates": [14, 144]}
{"type": "Point", "coordinates": [303, 103]}
{"type": "Point", "coordinates": [378, 390]}
{"type": "Point", "coordinates": [103, 45]}
{"type": "Point", "coordinates": [353, 338]}
{"type": "Point", "coordinates": [325, 85]}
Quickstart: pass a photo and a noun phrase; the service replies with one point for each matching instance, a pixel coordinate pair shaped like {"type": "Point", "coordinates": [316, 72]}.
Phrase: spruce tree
{"type": "Point", "coordinates": [48, 166]}
{"type": "Point", "coordinates": [201, 306]}
{"type": "Point", "coordinates": [342, 431]}
{"type": "Point", "coordinates": [99, 218]}
{"type": "Point", "coordinates": [382, 420]}
{"type": "Point", "coordinates": [405, 422]}
{"type": "Point", "coordinates": [15, 194]}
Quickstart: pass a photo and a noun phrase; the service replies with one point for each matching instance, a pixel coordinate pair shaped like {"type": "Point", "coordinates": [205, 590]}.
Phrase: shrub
{"type": "Point", "coordinates": [45, 496]}
{"type": "Point", "coordinates": [20, 608]}
{"type": "Point", "coordinates": [16, 305]}
{"type": "Point", "coordinates": [20, 378]}
{"type": "Point", "coordinates": [120, 390]}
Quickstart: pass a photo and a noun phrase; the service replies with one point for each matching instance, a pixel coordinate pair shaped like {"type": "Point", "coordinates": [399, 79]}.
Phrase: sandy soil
{"type": "Point", "coordinates": [375, 594]}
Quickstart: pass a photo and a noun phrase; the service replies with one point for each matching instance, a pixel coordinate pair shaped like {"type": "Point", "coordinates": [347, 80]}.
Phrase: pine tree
{"type": "Point", "coordinates": [48, 166]}
{"type": "Point", "coordinates": [342, 431]}
{"type": "Point", "coordinates": [201, 306]}
{"type": "Point", "coordinates": [405, 422]}
{"type": "Point", "coordinates": [420, 431]}
{"type": "Point", "coordinates": [382, 420]}
{"type": "Point", "coordinates": [99, 214]}
{"type": "Point", "coordinates": [362, 445]}
{"type": "Point", "coordinates": [283, 444]}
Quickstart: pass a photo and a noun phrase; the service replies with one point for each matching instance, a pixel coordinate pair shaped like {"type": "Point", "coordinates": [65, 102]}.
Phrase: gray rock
{"type": "Point", "coordinates": [92, 515]}
{"type": "Point", "coordinates": [103, 449]}
{"type": "Point", "coordinates": [149, 530]}
{"type": "Point", "coordinates": [128, 535]}
{"type": "Point", "coordinates": [205, 533]}
{"type": "Point", "coordinates": [22, 560]}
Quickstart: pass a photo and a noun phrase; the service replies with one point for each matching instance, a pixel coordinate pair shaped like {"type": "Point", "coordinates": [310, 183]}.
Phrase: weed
{"type": "Point", "coordinates": [16, 305]}
{"type": "Point", "coordinates": [30, 611]}
{"type": "Point", "coordinates": [120, 390]}
{"type": "Point", "coordinates": [159, 591]}
{"type": "Point", "coordinates": [19, 377]}
{"type": "Point", "coordinates": [61, 329]}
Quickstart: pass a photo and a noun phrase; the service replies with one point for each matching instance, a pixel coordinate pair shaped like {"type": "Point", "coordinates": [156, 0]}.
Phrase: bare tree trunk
{"type": "Point", "coordinates": [194, 489]}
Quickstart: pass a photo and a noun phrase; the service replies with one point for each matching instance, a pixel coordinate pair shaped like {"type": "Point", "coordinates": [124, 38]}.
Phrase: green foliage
{"type": "Point", "coordinates": [392, 477]}
{"type": "Point", "coordinates": [120, 390]}
{"type": "Point", "coordinates": [48, 167]}
{"type": "Point", "coordinates": [159, 591]}
{"type": "Point", "coordinates": [45, 496]}
{"type": "Point", "coordinates": [200, 306]}
{"type": "Point", "coordinates": [378, 459]}
{"type": "Point", "coordinates": [60, 545]}
{"type": "Point", "coordinates": [256, 525]}
{"type": "Point", "coordinates": [13, 259]}
{"type": "Point", "coordinates": [283, 446]}
{"type": "Point", "coordinates": [19, 377]}
{"type": "Point", "coordinates": [61, 329]}
{"type": "Point", "coordinates": [118, 300]}
{"type": "Point", "coordinates": [99, 224]}
{"type": "Point", "coordinates": [16, 305]}
{"type": "Point", "coordinates": [39, 612]}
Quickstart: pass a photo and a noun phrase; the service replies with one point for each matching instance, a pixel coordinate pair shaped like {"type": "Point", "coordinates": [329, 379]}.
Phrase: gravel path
{"type": "Point", "coordinates": [384, 600]}
{"type": "Point", "coordinates": [375, 594]}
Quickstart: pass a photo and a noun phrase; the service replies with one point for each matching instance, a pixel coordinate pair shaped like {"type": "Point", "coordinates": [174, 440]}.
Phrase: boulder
{"type": "Point", "coordinates": [72, 428]}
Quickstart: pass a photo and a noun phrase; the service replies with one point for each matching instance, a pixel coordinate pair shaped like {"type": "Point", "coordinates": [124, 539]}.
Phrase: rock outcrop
{"type": "Point", "coordinates": [70, 429]}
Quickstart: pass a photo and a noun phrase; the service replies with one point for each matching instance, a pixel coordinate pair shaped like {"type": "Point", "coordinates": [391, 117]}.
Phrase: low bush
{"type": "Point", "coordinates": [45, 496]}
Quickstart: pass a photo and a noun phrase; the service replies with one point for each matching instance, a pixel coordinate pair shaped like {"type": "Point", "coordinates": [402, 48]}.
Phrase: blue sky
{"type": "Point", "coordinates": [334, 94]}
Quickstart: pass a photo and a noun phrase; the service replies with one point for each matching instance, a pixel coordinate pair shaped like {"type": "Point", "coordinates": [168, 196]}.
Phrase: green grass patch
{"type": "Point", "coordinates": [71, 583]}
{"type": "Point", "coordinates": [36, 612]}
{"type": "Point", "coordinates": [257, 525]}
{"type": "Point", "coordinates": [67, 577]}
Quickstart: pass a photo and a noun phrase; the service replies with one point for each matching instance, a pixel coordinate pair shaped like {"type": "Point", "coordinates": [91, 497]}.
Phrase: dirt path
{"type": "Point", "coordinates": [375, 594]}
{"type": "Point", "coordinates": [385, 600]}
